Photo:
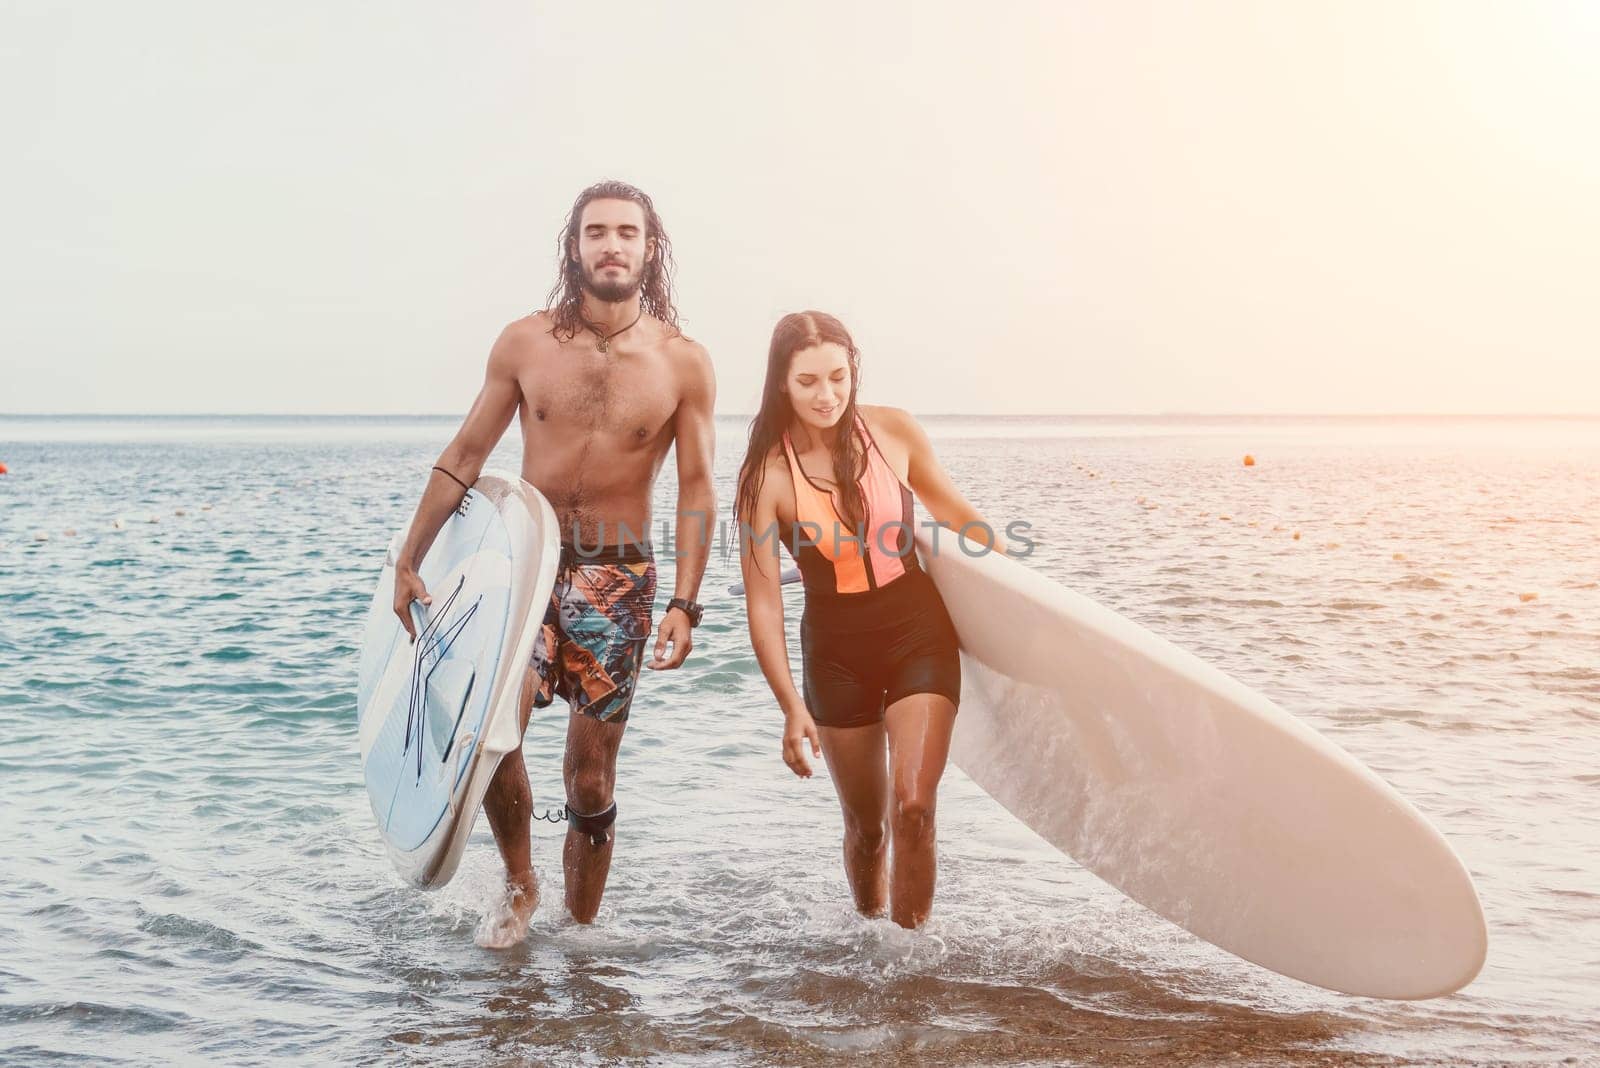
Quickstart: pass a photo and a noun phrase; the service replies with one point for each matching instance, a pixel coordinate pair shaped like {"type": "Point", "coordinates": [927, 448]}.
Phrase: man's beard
{"type": "Point", "coordinates": [612, 292]}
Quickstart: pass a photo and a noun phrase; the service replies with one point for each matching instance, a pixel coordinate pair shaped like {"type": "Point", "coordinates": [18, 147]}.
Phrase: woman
{"type": "Point", "coordinates": [834, 481]}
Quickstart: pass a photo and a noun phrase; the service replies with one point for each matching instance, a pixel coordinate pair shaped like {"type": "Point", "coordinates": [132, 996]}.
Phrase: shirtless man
{"type": "Point", "coordinates": [603, 383]}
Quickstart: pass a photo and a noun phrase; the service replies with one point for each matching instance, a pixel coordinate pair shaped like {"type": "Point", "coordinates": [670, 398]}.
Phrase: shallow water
{"type": "Point", "coordinates": [193, 871]}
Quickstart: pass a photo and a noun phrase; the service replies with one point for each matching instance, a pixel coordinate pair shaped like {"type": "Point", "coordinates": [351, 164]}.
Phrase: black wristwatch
{"type": "Point", "coordinates": [690, 609]}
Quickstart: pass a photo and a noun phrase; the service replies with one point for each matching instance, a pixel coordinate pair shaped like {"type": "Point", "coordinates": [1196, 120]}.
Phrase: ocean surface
{"type": "Point", "coordinates": [192, 873]}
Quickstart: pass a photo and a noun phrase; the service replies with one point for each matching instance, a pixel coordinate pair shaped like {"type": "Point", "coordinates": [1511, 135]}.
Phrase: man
{"type": "Point", "coordinates": [603, 382]}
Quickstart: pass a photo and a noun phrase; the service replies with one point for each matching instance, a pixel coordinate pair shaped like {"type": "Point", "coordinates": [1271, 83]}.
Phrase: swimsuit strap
{"type": "Point", "coordinates": [873, 442]}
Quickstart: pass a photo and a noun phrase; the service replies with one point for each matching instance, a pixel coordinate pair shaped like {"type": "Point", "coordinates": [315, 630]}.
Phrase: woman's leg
{"type": "Point", "coordinates": [857, 762]}
{"type": "Point", "coordinates": [919, 729]}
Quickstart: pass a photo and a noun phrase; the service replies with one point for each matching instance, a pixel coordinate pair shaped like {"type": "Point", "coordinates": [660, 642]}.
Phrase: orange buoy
{"type": "Point", "coordinates": [1297, 535]}
{"type": "Point", "coordinates": [4, 470]}
{"type": "Point", "coordinates": [1526, 597]}
{"type": "Point", "coordinates": [1249, 461]}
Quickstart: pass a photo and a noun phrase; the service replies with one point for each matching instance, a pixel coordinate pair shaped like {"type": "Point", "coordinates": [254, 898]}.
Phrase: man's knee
{"type": "Point", "coordinates": [589, 789]}
{"type": "Point", "coordinates": [590, 808]}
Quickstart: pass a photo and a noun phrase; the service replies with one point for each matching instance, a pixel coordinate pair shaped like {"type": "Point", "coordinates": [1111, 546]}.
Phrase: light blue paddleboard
{"type": "Point", "coordinates": [437, 715]}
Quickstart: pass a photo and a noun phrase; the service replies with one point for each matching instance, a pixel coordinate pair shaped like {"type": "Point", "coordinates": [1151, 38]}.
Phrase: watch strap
{"type": "Point", "coordinates": [691, 609]}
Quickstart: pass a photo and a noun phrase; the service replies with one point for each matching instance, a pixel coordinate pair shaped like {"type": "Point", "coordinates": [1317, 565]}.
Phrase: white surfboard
{"type": "Point", "coordinates": [437, 715]}
{"type": "Point", "coordinates": [1196, 796]}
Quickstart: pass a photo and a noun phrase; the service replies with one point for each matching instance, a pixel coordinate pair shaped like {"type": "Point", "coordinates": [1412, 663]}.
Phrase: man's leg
{"type": "Point", "coordinates": [509, 806]}
{"type": "Point", "coordinates": [607, 622]}
{"type": "Point", "coordinates": [590, 770]}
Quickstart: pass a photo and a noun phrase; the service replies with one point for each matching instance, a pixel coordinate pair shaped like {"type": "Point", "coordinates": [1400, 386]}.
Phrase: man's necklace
{"type": "Point", "coordinates": [605, 339]}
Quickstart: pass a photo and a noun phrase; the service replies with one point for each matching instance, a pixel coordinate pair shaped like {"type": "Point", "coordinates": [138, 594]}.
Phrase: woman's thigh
{"type": "Point", "coordinates": [858, 765]}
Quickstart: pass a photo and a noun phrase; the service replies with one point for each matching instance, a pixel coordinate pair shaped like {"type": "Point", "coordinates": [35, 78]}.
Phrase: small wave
{"type": "Point", "coordinates": [230, 652]}
{"type": "Point", "coordinates": [116, 1018]}
{"type": "Point", "coordinates": [1416, 582]}
{"type": "Point", "coordinates": [721, 682]}
{"type": "Point", "coordinates": [217, 943]}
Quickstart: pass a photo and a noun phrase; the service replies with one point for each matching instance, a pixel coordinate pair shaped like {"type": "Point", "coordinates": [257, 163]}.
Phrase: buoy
{"type": "Point", "coordinates": [1249, 461]}
{"type": "Point", "coordinates": [1226, 518]}
{"type": "Point", "coordinates": [41, 536]}
{"type": "Point", "coordinates": [1330, 545]}
{"type": "Point", "coordinates": [180, 511]}
{"type": "Point", "coordinates": [1526, 597]}
{"type": "Point", "coordinates": [4, 470]}
{"type": "Point", "coordinates": [1399, 556]}
{"type": "Point", "coordinates": [70, 532]}
{"type": "Point", "coordinates": [1297, 535]}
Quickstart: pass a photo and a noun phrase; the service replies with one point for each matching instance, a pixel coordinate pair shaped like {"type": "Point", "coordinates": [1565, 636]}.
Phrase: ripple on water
{"type": "Point", "coordinates": [117, 1019]}
{"type": "Point", "coordinates": [193, 860]}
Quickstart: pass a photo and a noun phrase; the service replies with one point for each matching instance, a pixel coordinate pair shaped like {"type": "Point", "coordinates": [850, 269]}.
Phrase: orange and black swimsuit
{"type": "Point", "coordinates": [875, 629]}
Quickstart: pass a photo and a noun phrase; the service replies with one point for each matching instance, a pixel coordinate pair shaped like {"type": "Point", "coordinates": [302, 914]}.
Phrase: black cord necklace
{"type": "Point", "coordinates": [605, 339]}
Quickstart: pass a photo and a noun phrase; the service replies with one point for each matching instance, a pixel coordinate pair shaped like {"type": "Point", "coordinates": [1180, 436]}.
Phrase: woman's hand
{"type": "Point", "coordinates": [799, 728]}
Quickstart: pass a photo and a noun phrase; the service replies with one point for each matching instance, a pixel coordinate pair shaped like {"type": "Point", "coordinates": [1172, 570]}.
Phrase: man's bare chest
{"type": "Point", "coordinates": [625, 397]}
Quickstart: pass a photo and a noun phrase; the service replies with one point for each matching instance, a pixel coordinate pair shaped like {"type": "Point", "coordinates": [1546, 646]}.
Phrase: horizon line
{"type": "Point", "coordinates": [1397, 414]}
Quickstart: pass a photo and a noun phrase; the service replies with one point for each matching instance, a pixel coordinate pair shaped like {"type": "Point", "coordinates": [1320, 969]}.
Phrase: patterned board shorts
{"type": "Point", "coordinates": [591, 646]}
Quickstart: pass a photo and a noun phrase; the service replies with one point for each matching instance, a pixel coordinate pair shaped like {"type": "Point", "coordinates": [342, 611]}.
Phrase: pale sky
{"type": "Point", "coordinates": [1089, 207]}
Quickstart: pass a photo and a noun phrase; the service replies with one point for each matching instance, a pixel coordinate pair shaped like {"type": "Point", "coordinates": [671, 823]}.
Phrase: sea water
{"type": "Point", "coordinates": [192, 873]}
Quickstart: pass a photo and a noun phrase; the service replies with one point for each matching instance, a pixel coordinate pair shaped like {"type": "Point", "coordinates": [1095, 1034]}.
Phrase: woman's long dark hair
{"type": "Point", "coordinates": [794, 332]}
{"type": "Point", "coordinates": [655, 290]}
